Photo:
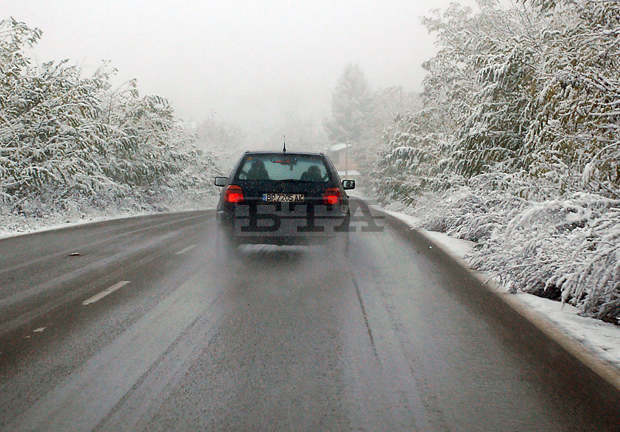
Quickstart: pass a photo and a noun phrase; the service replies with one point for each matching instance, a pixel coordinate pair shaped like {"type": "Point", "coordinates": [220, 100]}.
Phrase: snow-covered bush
{"type": "Point", "coordinates": [565, 249]}
{"type": "Point", "coordinates": [411, 163]}
{"type": "Point", "coordinates": [70, 142]}
{"type": "Point", "coordinates": [474, 210]}
{"type": "Point", "coordinates": [518, 143]}
{"type": "Point", "coordinates": [574, 133]}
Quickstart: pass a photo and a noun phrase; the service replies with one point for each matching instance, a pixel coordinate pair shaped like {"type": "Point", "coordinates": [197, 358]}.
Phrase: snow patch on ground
{"type": "Point", "coordinates": [457, 247]}
{"type": "Point", "coordinates": [412, 221]}
{"type": "Point", "coordinates": [14, 225]}
{"type": "Point", "coordinates": [360, 194]}
{"type": "Point", "coordinates": [601, 338]}
{"type": "Point", "coordinates": [21, 226]}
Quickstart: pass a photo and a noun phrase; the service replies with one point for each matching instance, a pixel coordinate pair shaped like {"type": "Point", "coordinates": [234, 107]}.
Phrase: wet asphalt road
{"type": "Point", "coordinates": [389, 336]}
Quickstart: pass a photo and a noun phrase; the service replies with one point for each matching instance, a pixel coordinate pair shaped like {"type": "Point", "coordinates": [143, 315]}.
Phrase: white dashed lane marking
{"type": "Point", "coordinates": [105, 292]}
{"type": "Point", "coordinates": [187, 249]}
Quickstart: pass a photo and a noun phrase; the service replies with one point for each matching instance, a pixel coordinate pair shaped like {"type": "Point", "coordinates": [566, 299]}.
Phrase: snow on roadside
{"type": "Point", "coordinates": [15, 225]}
{"type": "Point", "coordinates": [20, 226]}
{"type": "Point", "coordinates": [601, 338]}
{"type": "Point", "coordinates": [455, 246]}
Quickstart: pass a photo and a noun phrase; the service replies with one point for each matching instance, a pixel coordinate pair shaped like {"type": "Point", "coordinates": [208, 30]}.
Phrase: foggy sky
{"type": "Point", "coordinates": [249, 62]}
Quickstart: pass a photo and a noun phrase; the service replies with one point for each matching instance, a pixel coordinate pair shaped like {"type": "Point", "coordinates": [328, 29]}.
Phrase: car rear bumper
{"type": "Point", "coordinates": [281, 241]}
{"type": "Point", "coordinates": [271, 226]}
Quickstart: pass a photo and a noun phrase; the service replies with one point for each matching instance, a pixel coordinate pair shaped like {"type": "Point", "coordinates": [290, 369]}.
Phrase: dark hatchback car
{"type": "Point", "coordinates": [284, 199]}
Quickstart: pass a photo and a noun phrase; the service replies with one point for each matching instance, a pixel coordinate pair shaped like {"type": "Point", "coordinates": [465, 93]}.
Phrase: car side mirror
{"type": "Point", "coordinates": [348, 184]}
{"type": "Point", "coordinates": [220, 181]}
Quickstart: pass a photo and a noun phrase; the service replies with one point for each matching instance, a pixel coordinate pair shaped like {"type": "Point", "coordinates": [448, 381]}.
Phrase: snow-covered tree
{"type": "Point", "coordinates": [351, 107]}
{"type": "Point", "coordinates": [414, 159]}
{"type": "Point", "coordinates": [361, 117]}
{"type": "Point", "coordinates": [575, 134]}
{"type": "Point", "coordinates": [517, 145]}
{"type": "Point", "coordinates": [49, 124]}
{"type": "Point", "coordinates": [67, 139]}
{"type": "Point", "coordinates": [221, 138]}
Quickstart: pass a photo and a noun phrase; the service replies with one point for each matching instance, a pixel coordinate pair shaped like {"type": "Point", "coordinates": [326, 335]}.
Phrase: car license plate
{"type": "Point", "coordinates": [283, 197]}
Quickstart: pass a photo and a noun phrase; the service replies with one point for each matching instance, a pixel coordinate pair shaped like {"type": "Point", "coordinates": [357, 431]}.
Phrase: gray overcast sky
{"type": "Point", "coordinates": [246, 61]}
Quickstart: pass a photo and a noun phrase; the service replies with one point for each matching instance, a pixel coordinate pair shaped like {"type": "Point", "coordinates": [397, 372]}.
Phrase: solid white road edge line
{"type": "Point", "coordinates": [187, 249]}
{"type": "Point", "coordinates": [105, 292]}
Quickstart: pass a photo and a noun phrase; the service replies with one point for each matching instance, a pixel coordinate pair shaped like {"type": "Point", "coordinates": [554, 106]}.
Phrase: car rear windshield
{"type": "Point", "coordinates": [282, 167]}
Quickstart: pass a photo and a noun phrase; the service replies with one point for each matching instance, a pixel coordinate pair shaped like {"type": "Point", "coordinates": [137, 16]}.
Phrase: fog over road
{"type": "Point", "coordinates": [148, 329]}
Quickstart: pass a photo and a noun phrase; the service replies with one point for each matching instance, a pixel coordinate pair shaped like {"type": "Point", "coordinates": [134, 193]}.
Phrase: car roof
{"type": "Point", "coordinates": [263, 152]}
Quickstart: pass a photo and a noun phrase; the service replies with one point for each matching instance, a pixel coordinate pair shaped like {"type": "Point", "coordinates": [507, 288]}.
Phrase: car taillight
{"type": "Point", "coordinates": [234, 194]}
{"type": "Point", "coordinates": [331, 196]}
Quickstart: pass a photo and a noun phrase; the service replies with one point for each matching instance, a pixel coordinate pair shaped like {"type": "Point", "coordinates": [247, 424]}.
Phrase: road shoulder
{"type": "Point", "coordinates": [592, 342]}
